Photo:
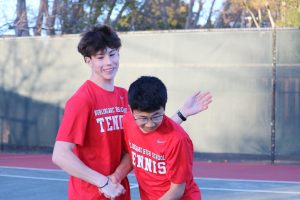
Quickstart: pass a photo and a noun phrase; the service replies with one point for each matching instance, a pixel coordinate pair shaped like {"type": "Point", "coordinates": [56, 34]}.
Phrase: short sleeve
{"type": "Point", "coordinates": [180, 161]}
{"type": "Point", "coordinates": [74, 122]}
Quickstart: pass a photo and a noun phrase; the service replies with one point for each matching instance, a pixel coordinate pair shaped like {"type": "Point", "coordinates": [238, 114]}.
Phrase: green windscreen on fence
{"type": "Point", "coordinates": [236, 66]}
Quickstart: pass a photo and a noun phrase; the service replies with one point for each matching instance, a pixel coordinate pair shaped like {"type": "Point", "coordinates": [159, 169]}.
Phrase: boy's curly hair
{"type": "Point", "coordinates": [98, 38]}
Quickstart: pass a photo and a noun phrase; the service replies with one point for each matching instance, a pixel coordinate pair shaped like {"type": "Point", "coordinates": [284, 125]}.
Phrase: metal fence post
{"type": "Point", "coordinates": [273, 111]}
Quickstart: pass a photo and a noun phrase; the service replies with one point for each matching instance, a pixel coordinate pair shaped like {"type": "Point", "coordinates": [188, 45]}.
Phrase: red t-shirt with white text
{"type": "Point", "coordinates": [161, 157]}
{"type": "Point", "coordinates": [93, 121]}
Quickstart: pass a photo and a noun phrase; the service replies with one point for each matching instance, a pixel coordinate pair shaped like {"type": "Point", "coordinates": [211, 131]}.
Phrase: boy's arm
{"type": "Point", "coordinates": [64, 157]}
{"type": "Point", "coordinates": [194, 104]}
{"type": "Point", "coordinates": [122, 170]}
{"type": "Point", "coordinates": [175, 192]}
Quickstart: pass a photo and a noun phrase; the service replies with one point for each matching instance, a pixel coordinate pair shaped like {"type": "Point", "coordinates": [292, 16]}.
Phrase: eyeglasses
{"type": "Point", "coordinates": [145, 120]}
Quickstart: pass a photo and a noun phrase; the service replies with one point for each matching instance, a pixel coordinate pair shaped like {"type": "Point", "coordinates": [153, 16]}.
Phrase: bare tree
{"type": "Point", "coordinates": [270, 16]}
{"type": "Point", "coordinates": [197, 15]}
{"type": "Point", "coordinates": [21, 21]}
{"type": "Point", "coordinates": [189, 17]}
{"type": "Point", "coordinates": [76, 17]}
{"type": "Point", "coordinates": [56, 9]}
{"type": "Point", "coordinates": [123, 8]}
{"type": "Point", "coordinates": [259, 13]}
{"type": "Point", "coordinates": [164, 15]}
{"type": "Point", "coordinates": [43, 11]}
{"type": "Point", "coordinates": [94, 10]}
{"type": "Point", "coordinates": [111, 8]}
{"type": "Point", "coordinates": [69, 17]}
{"type": "Point", "coordinates": [208, 21]}
{"type": "Point", "coordinates": [252, 14]}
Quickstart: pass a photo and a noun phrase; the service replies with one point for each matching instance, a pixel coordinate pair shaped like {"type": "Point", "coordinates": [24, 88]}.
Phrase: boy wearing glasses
{"type": "Point", "coordinates": [161, 151]}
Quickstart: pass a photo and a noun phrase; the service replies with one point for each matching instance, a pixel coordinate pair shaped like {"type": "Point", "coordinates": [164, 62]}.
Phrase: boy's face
{"type": "Point", "coordinates": [148, 122]}
{"type": "Point", "coordinates": [105, 63]}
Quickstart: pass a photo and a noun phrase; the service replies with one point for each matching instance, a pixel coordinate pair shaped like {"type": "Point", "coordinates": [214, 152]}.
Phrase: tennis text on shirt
{"type": "Point", "coordinates": [147, 160]}
{"type": "Point", "coordinates": [112, 122]}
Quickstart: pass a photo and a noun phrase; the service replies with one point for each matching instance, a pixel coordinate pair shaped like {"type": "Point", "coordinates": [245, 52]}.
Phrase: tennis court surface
{"type": "Point", "coordinates": [34, 177]}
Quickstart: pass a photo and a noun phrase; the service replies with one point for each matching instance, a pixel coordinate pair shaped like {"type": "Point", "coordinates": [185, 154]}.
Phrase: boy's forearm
{"type": "Point", "coordinates": [123, 169]}
{"type": "Point", "coordinates": [69, 162]}
{"type": "Point", "coordinates": [175, 192]}
{"type": "Point", "coordinates": [193, 105]}
{"type": "Point", "coordinates": [176, 117]}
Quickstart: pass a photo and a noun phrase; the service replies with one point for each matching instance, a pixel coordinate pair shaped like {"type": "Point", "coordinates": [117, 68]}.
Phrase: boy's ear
{"type": "Point", "coordinates": [87, 59]}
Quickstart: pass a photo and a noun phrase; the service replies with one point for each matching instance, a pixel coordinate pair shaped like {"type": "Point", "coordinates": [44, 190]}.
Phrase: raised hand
{"type": "Point", "coordinates": [196, 103]}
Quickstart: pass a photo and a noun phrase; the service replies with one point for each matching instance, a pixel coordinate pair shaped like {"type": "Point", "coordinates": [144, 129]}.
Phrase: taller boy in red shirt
{"type": "Point", "coordinates": [90, 143]}
{"type": "Point", "coordinates": [161, 151]}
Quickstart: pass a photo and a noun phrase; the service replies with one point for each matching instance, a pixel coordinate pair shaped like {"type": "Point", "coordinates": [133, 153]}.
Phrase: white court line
{"type": "Point", "coordinates": [28, 168]}
{"type": "Point", "coordinates": [255, 191]}
{"type": "Point", "coordinates": [196, 178]}
{"type": "Point", "coordinates": [34, 177]}
{"type": "Point", "coordinates": [133, 186]}
{"type": "Point", "coordinates": [21, 156]}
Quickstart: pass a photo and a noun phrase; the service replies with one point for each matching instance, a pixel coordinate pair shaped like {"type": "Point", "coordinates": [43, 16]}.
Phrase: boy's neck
{"type": "Point", "coordinates": [104, 84]}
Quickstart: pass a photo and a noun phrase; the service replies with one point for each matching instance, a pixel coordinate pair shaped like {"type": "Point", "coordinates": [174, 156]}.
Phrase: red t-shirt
{"type": "Point", "coordinates": [93, 121]}
{"type": "Point", "coordinates": [161, 157]}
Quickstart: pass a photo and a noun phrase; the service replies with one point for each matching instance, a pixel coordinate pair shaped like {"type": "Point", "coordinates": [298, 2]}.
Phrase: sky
{"type": "Point", "coordinates": [206, 8]}
{"type": "Point", "coordinates": [8, 12]}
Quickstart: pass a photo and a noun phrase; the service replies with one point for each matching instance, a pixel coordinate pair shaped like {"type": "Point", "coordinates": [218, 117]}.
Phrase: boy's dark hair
{"type": "Point", "coordinates": [98, 38]}
{"type": "Point", "coordinates": [147, 94]}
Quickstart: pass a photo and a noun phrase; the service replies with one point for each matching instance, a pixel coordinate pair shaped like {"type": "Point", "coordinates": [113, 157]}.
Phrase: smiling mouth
{"type": "Point", "coordinates": [108, 69]}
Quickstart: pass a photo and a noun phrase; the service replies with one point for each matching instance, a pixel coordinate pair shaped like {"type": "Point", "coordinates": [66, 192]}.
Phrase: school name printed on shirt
{"type": "Point", "coordinates": [147, 160]}
{"type": "Point", "coordinates": [110, 122]}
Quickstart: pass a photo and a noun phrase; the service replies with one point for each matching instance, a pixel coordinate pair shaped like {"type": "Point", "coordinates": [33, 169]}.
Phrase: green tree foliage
{"type": "Point", "coordinates": [154, 15]}
{"type": "Point", "coordinates": [289, 14]}
{"type": "Point", "coordinates": [76, 16]}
